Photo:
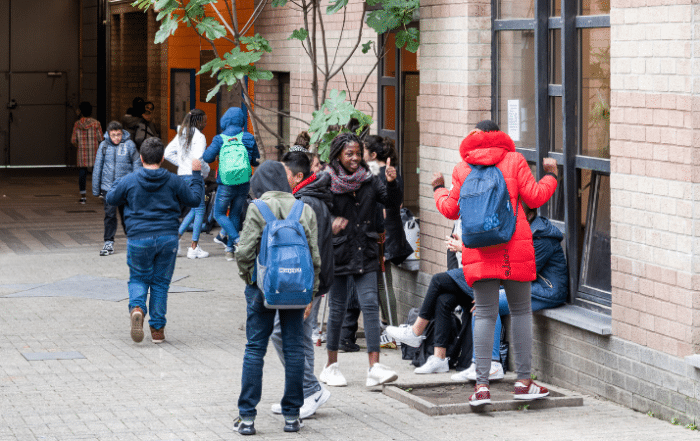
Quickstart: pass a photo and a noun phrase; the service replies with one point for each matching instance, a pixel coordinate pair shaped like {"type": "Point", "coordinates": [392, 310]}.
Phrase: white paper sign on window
{"type": "Point", "coordinates": [514, 119]}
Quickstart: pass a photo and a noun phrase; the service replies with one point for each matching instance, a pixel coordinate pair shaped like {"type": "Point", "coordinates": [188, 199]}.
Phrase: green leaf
{"type": "Point", "coordinates": [335, 6]}
{"type": "Point", "coordinates": [165, 4]}
{"type": "Point", "coordinates": [214, 90]}
{"type": "Point", "coordinates": [212, 28]}
{"type": "Point", "coordinates": [408, 37]}
{"type": "Point", "coordinates": [278, 3]}
{"type": "Point", "coordinates": [256, 43]}
{"type": "Point", "coordinates": [367, 46]}
{"type": "Point", "coordinates": [299, 34]}
{"type": "Point", "coordinates": [167, 28]}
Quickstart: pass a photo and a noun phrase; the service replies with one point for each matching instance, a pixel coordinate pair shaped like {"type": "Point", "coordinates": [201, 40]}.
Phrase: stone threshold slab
{"type": "Point", "coordinates": [410, 394]}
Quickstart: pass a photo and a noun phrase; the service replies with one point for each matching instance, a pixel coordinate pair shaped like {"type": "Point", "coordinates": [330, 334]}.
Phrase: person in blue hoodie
{"type": "Point", "coordinates": [116, 157]}
{"type": "Point", "coordinates": [232, 124]}
{"type": "Point", "coordinates": [151, 197]}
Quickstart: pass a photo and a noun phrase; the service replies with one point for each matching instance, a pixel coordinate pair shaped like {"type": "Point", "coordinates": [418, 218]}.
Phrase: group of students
{"type": "Point", "coordinates": [343, 205]}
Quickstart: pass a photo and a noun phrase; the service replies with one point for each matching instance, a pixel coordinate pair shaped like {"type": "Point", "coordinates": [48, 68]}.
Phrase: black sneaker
{"type": "Point", "coordinates": [245, 428]}
{"type": "Point", "coordinates": [293, 426]}
{"type": "Point", "coordinates": [348, 346]}
{"type": "Point", "coordinates": [222, 240]}
{"type": "Point", "coordinates": [83, 200]}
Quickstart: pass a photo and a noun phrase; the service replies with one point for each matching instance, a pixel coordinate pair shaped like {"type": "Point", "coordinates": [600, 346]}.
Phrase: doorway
{"type": "Point", "coordinates": [39, 81]}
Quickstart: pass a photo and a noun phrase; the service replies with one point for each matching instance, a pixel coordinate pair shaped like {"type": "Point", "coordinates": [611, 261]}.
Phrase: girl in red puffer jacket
{"type": "Point", "coordinates": [511, 264]}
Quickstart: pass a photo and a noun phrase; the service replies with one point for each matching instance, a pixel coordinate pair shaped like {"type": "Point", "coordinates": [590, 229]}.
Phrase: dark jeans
{"type": "Point", "coordinates": [235, 197]}
{"type": "Point", "coordinates": [82, 179]}
{"type": "Point", "coordinates": [366, 287]}
{"type": "Point", "coordinates": [111, 220]}
{"type": "Point", "coordinates": [258, 327]}
{"type": "Point", "coordinates": [151, 262]}
{"type": "Point", "coordinates": [442, 297]}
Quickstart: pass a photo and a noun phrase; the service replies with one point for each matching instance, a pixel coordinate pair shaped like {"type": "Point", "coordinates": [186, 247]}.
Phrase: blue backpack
{"type": "Point", "coordinates": [485, 209]}
{"type": "Point", "coordinates": [284, 270]}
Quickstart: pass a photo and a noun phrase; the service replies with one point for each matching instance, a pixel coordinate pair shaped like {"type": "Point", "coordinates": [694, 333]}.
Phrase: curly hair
{"type": "Point", "coordinates": [339, 143]}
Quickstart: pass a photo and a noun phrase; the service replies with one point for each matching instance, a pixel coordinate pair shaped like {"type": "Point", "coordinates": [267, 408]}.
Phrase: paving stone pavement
{"type": "Point", "coordinates": [187, 387]}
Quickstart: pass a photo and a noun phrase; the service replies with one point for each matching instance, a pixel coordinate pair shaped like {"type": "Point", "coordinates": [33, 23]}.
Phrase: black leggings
{"type": "Point", "coordinates": [443, 295]}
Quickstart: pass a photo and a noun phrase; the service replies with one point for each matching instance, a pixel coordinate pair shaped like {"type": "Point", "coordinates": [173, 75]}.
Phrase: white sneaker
{"type": "Point", "coordinates": [310, 406]}
{"type": "Point", "coordinates": [196, 253]}
{"type": "Point", "coordinates": [434, 365]}
{"type": "Point", "coordinates": [179, 250]}
{"type": "Point", "coordinates": [380, 374]}
{"type": "Point", "coordinates": [312, 403]}
{"type": "Point", "coordinates": [466, 375]}
{"type": "Point", "coordinates": [332, 376]}
{"type": "Point", "coordinates": [404, 334]}
{"type": "Point", "coordinates": [496, 373]}
{"type": "Point", "coordinates": [315, 336]}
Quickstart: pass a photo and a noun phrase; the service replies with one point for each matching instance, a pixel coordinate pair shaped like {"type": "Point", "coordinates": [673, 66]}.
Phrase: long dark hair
{"type": "Point", "coordinates": [337, 146]}
{"type": "Point", "coordinates": [193, 120]}
{"type": "Point", "coordinates": [383, 147]}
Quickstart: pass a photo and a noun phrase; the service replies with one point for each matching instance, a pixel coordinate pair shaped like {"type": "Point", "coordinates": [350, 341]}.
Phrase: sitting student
{"type": "Point", "coordinates": [315, 191]}
{"type": "Point", "coordinates": [151, 197]}
{"type": "Point", "coordinates": [548, 291]}
{"type": "Point", "coordinates": [269, 183]}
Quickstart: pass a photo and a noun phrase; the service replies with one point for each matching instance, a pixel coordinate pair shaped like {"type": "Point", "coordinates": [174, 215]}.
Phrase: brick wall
{"type": "Point", "coordinates": [654, 178]}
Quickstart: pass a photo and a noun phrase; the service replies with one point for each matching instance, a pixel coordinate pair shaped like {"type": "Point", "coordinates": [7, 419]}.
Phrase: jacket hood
{"type": "Point", "coordinates": [486, 148]}
{"type": "Point", "coordinates": [152, 180]}
{"type": "Point", "coordinates": [319, 188]}
{"type": "Point", "coordinates": [87, 123]}
{"type": "Point", "coordinates": [542, 227]}
{"type": "Point", "coordinates": [233, 121]}
{"type": "Point", "coordinates": [125, 136]}
{"type": "Point", "coordinates": [270, 176]}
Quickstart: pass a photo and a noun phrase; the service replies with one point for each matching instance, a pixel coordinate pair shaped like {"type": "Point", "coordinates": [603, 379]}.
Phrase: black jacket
{"type": "Point", "coordinates": [318, 196]}
{"type": "Point", "coordinates": [356, 248]}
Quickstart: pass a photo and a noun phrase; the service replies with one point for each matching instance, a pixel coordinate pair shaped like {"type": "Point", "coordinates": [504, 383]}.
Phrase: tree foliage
{"type": "Point", "coordinates": [333, 108]}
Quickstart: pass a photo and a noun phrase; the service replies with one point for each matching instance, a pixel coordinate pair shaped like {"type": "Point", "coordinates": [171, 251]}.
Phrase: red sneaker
{"type": "Point", "coordinates": [532, 392]}
{"type": "Point", "coordinates": [480, 396]}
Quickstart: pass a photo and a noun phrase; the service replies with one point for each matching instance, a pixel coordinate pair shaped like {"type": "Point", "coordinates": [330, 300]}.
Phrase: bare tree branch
{"type": "Point", "coordinates": [253, 18]}
{"type": "Point", "coordinates": [233, 31]}
{"type": "Point", "coordinates": [326, 78]}
{"type": "Point", "coordinates": [340, 38]}
{"type": "Point", "coordinates": [357, 44]}
{"type": "Point", "coordinates": [288, 115]}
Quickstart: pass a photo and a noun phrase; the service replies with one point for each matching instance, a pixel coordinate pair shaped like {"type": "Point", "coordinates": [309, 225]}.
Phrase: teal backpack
{"type": "Point", "coordinates": [234, 164]}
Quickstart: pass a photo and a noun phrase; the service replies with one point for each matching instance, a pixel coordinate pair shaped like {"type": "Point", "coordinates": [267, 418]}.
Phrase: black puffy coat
{"type": "Point", "coordinates": [355, 248]}
{"type": "Point", "coordinates": [317, 194]}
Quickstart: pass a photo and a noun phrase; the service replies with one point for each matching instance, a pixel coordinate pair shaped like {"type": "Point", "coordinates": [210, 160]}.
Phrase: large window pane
{"type": "Point", "coordinates": [516, 84]}
{"type": "Point", "coordinates": [389, 107]}
{"type": "Point", "coordinates": [390, 55]}
{"type": "Point", "coordinates": [516, 9]}
{"type": "Point", "coordinates": [596, 272]}
{"type": "Point", "coordinates": [555, 56]}
{"type": "Point", "coordinates": [595, 92]}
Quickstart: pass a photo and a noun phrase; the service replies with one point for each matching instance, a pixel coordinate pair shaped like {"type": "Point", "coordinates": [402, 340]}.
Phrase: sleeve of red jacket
{"type": "Point", "coordinates": [447, 202]}
{"type": "Point", "coordinates": [534, 193]}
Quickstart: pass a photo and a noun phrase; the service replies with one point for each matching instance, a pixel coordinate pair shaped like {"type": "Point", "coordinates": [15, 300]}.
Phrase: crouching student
{"type": "Point", "coordinates": [314, 190]}
{"type": "Point", "coordinates": [151, 197]}
{"type": "Point", "coordinates": [269, 183]}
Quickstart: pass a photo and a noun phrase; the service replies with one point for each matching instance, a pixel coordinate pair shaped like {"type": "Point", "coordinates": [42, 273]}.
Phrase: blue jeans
{"type": "Point", "coordinates": [311, 384]}
{"type": "Point", "coordinates": [233, 196]}
{"type": "Point", "coordinates": [196, 214]}
{"type": "Point", "coordinates": [151, 262]}
{"type": "Point", "coordinates": [258, 327]}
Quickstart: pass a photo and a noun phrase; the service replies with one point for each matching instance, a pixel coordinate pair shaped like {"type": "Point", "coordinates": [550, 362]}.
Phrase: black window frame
{"type": "Point", "coordinates": [572, 162]}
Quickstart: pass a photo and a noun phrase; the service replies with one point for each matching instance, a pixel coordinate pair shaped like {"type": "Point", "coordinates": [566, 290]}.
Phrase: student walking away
{"type": "Point", "coordinates": [116, 157]}
{"type": "Point", "coordinates": [270, 185]}
{"type": "Point", "coordinates": [86, 137]}
{"type": "Point", "coordinates": [238, 153]}
{"type": "Point", "coordinates": [315, 192]}
{"type": "Point", "coordinates": [511, 263]}
{"type": "Point", "coordinates": [151, 197]}
{"type": "Point", "coordinates": [189, 144]}
{"type": "Point", "coordinates": [356, 192]}
{"type": "Point", "coordinates": [394, 248]}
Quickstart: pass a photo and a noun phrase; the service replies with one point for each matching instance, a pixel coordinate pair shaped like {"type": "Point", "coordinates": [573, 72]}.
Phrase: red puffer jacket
{"type": "Point", "coordinates": [514, 260]}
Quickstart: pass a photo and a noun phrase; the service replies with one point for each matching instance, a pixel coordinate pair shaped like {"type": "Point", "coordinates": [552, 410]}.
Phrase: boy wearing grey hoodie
{"type": "Point", "coordinates": [269, 183]}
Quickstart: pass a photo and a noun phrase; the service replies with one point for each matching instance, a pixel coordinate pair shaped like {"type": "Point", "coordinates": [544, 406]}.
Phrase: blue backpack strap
{"type": "Point", "coordinates": [297, 209]}
{"type": "Point", "coordinates": [265, 211]}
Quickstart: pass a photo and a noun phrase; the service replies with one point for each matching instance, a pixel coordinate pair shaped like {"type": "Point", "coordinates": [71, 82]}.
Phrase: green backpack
{"type": "Point", "coordinates": [234, 165]}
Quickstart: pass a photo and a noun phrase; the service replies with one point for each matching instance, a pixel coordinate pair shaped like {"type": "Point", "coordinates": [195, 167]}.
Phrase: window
{"type": "Point", "coordinates": [182, 95]}
{"type": "Point", "coordinates": [551, 89]}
